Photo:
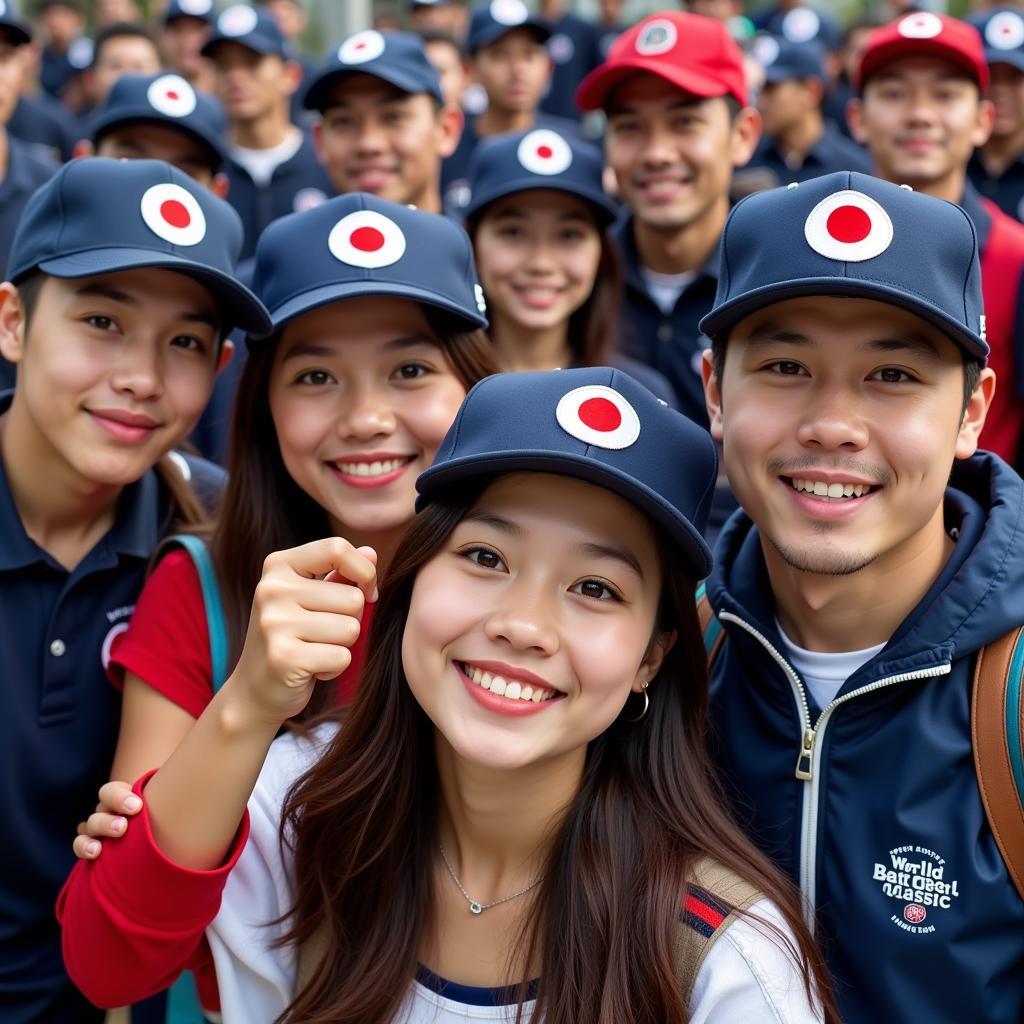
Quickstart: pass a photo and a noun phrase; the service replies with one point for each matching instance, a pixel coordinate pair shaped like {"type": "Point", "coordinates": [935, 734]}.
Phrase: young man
{"type": "Point", "coordinates": [272, 166]}
{"type": "Point", "coordinates": [120, 49]}
{"type": "Point", "coordinates": [384, 127]}
{"type": "Point", "coordinates": [997, 168]}
{"type": "Point", "coordinates": [674, 93]}
{"type": "Point", "coordinates": [921, 111]}
{"type": "Point", "coordinates": [797, 144]}
{"type": "Point", "coordinates": [508, 59]}
{"type": "Point", "coordinates": [186, 24]}
{"type": "Point", "coordinates": [62, 22]}
{"type": "Point", "coordinates": [161, 117]}
{"type": "Point", "coordinates": [877, 552]}
{"type": "Point", "coordinates": [121, 292]}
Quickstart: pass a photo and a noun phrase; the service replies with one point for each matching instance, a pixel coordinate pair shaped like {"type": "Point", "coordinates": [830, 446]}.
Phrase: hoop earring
{"type": "Point", "coordinates": [647, 704]}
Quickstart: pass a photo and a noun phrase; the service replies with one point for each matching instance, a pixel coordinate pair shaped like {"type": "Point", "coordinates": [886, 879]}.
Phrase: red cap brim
{"type": "Point", "coordinates": [594, 89]}
{"type": "Point", "coordinates": [902, 47]}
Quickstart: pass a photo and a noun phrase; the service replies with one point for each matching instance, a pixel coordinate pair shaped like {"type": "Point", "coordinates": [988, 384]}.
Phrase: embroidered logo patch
{"type": "Point", "coordinates": [171, 95]}
{"type": "Point", "coordinates": [599, 416]}
{"type": "Point", "coordinates": [239, 20]}
{"type": "Point", "coordinates": [1005, 31]}
{"type": "Point", "coordinates": [922, 25]}
{"type": "Point", "coordinates": [173, 214]}
{"type": "Point", "coordinates": [544, 152]}
{"type": "Point", "coordinates": [509, 12]}
{"type": "Point", "coordinates": [916, 879]}
{"type": "Point", "coordinates": [362, 47]}
{"type": "Point", "coordinates": [656, 37]}
{"type": "Point", "coordinates": [848, 226]}
{"type": "Point", "coordinates": [366, 239]}
{"type": "Point", "coordinates": [801, 25]}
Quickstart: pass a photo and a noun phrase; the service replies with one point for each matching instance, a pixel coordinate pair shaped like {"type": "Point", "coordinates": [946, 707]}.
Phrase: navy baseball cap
{"type": "Point", "coordinates": [542, 158]}
{"type": "Point", "coordinates": [356, 245]}
{"type": "Point", "coordinates": [99, 216]}
{"type": "Point", "coordinates": [853, 235]}
{"type": "Point", "coordinates": [490, 21]}
{"type": "Point", "coordinates": [166, 100]}
{"type": "Point", "coordinates": [1002, 33]}
{"type": "Point", "coordinates": [204, 10]}
{"type": "Point", "coordinates": [250, 27]}
{"type": "Point", "coordinates": [595, 424]}
{"type": "Point", "coordinates": [784, 61]}
{"type": "Point", "coordinates": [395, 57]}
{"type": "Point", "coordinates": [17, 30]}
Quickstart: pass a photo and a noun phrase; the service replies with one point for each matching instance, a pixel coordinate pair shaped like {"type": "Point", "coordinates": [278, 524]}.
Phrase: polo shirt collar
{"type": "Point", "coordinates": [143, 513]}
{"type": "Point", "coordinates": [622, 233]}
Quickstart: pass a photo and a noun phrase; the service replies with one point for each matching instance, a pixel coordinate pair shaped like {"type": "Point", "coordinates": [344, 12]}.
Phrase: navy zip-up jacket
{"type": "Point", "coordinates": [872, 803]}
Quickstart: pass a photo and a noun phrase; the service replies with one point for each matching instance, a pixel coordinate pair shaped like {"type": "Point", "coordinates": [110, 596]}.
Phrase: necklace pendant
{"type": "Point", "coordinates": [475, 908]}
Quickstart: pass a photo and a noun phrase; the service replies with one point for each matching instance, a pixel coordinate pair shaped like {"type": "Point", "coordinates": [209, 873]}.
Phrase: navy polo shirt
{"type": "Point", "coordinates": [297, 184]}
{"type": "Point", "coordinates": [1006, 191]}
{"type": "Point", "coordinates": [47, 124]}
{"type": "Point", "coordinates": [575, 50]}
{"type": "Point", "coordinates": [59, 725]}
{"type": "Point", "coordinates": [832, 152]}
{"type": "Point", "coordinates": [55, 71]}
{"type": "Point", "coordinates": [670, 343]}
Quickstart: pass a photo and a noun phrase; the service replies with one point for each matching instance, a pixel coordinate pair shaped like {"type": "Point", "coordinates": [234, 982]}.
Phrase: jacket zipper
{"type": "Point", "coordinates": [808, 763]}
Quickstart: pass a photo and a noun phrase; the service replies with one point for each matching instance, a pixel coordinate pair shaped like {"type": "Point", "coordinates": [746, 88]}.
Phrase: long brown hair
{"type": "Point", "coordinates": [363, 823]}
{"type": "Point", "coordinates": [264, 509]}
{"type": "Point", "coordinates": [594, 327]}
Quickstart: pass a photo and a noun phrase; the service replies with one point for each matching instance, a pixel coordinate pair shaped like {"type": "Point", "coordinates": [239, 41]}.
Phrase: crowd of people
{"type": "Point", "coordinates": [518, 519]}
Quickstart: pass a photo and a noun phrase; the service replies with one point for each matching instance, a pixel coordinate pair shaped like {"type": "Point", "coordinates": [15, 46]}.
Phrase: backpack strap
{"type": "Point", "coordinates": [196, 549]}
{"type": "Point", "coordinates": [710, 625]}
{"type": "Point", "coordinates": [715, 897]}
{"type": "Point", "coordinates": [997, 717]}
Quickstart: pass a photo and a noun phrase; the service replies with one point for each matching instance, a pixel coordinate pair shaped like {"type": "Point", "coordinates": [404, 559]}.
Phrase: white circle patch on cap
{"type": "Point", "coordinates": [848, 226]}
{"type": "Point", "coordinates": [362, 47]}
{"type": "Point", "coordinates": [561, 48]}
{"type": "Point", "coordinates": [598, 415]}
{"type": "Point", "coordinates": [239, 20]}
{"type": "Point", "coordinates": [80, 53]}
{"type": "Point", "coordinates": [1005, 31]}
{"type": "Point", "coordinates": [658, 36]}
{"type": "Point", "coordinates": [196, 7]}
{"type": "Point", "coordinates": [173, 214]}
{"type": "Point", "coordinates": [171, 95]}
{"type": "Point", "coordinates": [801, 25]}
{"type": "Point", "coordinates": [765, 50]}
{"type": "Point", "coordinates": [544, 152]}
{"type": "Point", "coordinates": [366, 239]}
{"type": "Point", "coordinates": [509, 12]}
{"type": "Point", "coordinates": [922, 25]}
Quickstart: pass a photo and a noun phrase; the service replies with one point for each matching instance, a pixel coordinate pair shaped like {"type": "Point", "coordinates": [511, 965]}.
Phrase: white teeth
{"type": "Point", "coordinates": [820, 489]}
{"type": "Point", "coordinates": [370, 468]}
{"type": "Point", "coordinates": [510, 690]}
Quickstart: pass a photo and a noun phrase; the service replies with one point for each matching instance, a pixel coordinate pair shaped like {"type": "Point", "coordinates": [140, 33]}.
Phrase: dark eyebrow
{"type": "Point", "coordinates": [98, 290]}
{"type": "Point", "coordinates": [623, 555]}
{"type": "Point", "coordinates": [768, 332]}
{"type": "Point", "coordinates": [912, 342]}
{"type": "Point", "coordinates": [479, 515]}
{"type": "Point", "coordinates": [308, 348]}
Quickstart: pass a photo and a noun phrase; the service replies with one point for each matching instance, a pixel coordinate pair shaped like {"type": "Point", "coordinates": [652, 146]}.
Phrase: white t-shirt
{"type": "Point", "coordinates": [746, 975]}
{"type": "Point", "coordinates": [665, 289]}
{"type": "Point", "coordinates": [260, 164]}
{"type": "Point", "coordinates": [823, 672]}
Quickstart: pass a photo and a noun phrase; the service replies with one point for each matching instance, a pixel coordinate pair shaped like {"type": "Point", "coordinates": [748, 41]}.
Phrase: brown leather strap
{"type": "Point", "coordinates": [992, 756]}
{"type": "Point", "coordinates": [705, 613]}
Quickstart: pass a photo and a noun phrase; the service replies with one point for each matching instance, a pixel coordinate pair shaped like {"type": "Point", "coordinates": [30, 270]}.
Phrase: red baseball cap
{"type": "Point", "coordinates": [934, 35]}
{"type": "Point", "coordinates": [695, 53]}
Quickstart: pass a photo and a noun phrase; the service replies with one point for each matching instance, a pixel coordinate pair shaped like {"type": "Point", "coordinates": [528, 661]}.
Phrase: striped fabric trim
{"type": "Point", "coordinates": [703, 912]}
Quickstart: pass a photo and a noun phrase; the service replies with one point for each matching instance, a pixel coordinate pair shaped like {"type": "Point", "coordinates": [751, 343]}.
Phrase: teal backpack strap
{"type": "Point", "coordinates": [710, 625]}
{"type": "Point", "coordinates": [197, 550]}
{"type": "Point", "coordinates": [997, 732]}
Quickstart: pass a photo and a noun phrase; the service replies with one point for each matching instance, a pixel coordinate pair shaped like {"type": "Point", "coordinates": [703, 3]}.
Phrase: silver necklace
{"type": "Point", "coordinates": [475, 906]}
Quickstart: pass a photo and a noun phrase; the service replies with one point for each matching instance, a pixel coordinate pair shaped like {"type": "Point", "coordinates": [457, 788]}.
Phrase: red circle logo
{"type": "Point", "coordinates": [848, 224]}
{"type": "Point", "coordinates": [914, 913]}
{"type": "Point", "coordinates": [600, 414]}
{"type": "Point", "coordinates": [175, 214]}
{"type": "Point", "coordinates": [366, 239]}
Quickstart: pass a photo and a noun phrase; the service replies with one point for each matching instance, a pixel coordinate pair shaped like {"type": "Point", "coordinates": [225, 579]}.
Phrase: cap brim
{"type": "Point", "coordinates": [255, 43]}
{"type": "Point", "coordinates": [320, 88]}
{"type": "Point", "coordinates": [209, 143]}
{"type": "Point", "coordinates": [887, 52]}
{"type": "Point", "coordinates": [602, 205]}
{"type": "Point", "coordinates": [438, 478]}
{"type": "Point", "coordinates": [722, 319]}
{"type": "Point", "coordinates": [494, 32]}
{"type": "Point", "coordinates": [1015, 58]}
{"type": "Point", "coordinates": [774, 75]}
{"type": "Point", "coordinates": [326, 294]}
{"type": "Point", "coordinates": [243, 308]}
{"type": "Point", "coordinates": [594, 89]}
